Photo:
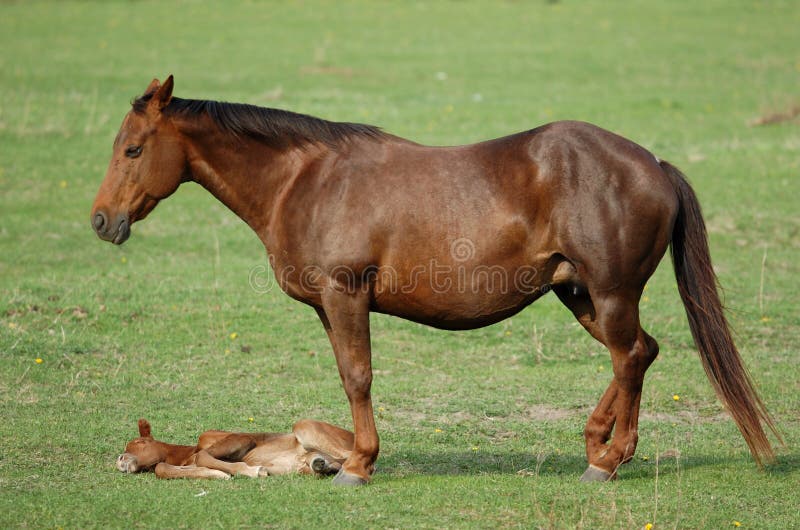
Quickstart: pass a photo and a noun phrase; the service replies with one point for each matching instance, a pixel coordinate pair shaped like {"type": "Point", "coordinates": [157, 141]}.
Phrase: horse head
{"type": "Point", "coordinates": [148, 164]}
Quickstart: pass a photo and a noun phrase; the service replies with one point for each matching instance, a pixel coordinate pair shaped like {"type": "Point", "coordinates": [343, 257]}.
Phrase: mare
{"type": "Point", "coordinates": [356, 220]}
{"type": "Point", "coordinates": [313, 447]}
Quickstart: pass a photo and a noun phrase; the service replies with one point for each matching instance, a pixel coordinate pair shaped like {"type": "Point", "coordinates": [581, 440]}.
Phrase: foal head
{"type": "Point", "coordinates": [143, 453]}
{"type": "Point", "coordinates": [147, 165]}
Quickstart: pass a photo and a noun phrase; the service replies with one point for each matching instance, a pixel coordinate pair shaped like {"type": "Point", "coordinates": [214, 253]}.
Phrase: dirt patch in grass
{"type": "Point", "coordinates": [683, 417]}
{"type": "Point", "coordinates": [546, 413]}
{"type": "Point", "coordinates": [777, 117]}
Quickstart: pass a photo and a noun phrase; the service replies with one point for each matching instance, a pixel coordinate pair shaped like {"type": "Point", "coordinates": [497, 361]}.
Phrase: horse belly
{"type": "Point", "coordinates": [457, 295]}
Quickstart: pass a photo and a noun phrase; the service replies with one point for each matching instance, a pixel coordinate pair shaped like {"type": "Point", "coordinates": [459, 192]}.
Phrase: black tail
{"type": "Point", "coordinates": [697, 284]}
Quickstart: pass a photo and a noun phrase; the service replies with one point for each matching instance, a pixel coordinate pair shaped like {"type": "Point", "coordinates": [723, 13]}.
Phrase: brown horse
{"type": "Point", "coordinates": [313, 447]}
{"type": "Point", "coordinates": [357, 220]}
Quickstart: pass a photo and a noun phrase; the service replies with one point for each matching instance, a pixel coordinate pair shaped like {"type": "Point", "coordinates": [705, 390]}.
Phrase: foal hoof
{"type": "Point", "coordinates": [595, 474]}
{"type": "Point", "coordinates": [320, 466]}
{"type": "Point", "coordinates": [346, 479]}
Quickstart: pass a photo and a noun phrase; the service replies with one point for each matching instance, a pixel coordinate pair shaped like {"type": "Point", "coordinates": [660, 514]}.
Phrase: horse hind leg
{"type": "Point", "coordinates": [601, 422]}
{"type": "Point", "coordinates": [632, 352]}
{"type": "Point", "coordinates": [614, 322]}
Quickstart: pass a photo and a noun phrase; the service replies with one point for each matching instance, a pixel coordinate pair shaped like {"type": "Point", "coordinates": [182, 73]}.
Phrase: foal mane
{"type": "Point", "coordinates": [274, 127]}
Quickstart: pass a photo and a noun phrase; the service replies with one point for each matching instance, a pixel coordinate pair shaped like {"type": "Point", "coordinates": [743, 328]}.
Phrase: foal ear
{"type": "Point", "coordinates": [163, 94]}
{"type": "Point", "coordinates": [144, 428]}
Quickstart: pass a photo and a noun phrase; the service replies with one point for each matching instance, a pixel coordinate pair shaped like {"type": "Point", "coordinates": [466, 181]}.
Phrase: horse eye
{"type": "Point", "coordinates": [133, 151]}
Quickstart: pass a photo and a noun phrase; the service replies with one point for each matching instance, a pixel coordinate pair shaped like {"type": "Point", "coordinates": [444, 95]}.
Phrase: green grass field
{"type": "Point", "coordinates": [480, 428]}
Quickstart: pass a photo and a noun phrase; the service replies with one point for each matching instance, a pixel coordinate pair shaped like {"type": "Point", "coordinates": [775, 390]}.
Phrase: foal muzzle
{"type": "Point", "coordinates": [127, 463]}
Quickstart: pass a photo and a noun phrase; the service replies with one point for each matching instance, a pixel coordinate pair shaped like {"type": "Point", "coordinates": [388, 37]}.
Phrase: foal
{"type": "Point", "coordinates": [312, 448]}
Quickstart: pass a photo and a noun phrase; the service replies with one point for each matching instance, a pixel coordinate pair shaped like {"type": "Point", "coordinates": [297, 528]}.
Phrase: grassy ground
{"type": "Point", "coordinates": [479, 429]}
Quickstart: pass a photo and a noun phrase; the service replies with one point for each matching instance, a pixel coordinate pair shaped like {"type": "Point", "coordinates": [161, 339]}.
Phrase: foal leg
{"type": "Point", "coordinates": [327, 446]}
{"type": "Point", "coordinates": [206, 460]}
{"type": "Point", "coordinates": [216, 445]}
{"type": "Point", "coordinates": [324, 438]}
{"type": "Point", "coordinates": [164, 470]}
{"type": "Point", "coordinates": [346, 318]}
{"type": "Point", "coordinates": [227, 445]}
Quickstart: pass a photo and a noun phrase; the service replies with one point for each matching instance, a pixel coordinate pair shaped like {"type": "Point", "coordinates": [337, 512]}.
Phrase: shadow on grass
{"type": "Point", "coordinates": [511, 462]}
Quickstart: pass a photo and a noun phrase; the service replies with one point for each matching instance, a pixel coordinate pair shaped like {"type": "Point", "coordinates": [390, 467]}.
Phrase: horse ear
{"type": "Point", "coordinates": [163, 95]}
{"type": "Point", "coordinates": [144, 428]}
{"type": "Point", "coordinates": [152, 87]}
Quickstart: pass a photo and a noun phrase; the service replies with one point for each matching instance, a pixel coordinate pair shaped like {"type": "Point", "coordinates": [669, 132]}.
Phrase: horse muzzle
{"type": "Point", "coordinates": [116, 231]}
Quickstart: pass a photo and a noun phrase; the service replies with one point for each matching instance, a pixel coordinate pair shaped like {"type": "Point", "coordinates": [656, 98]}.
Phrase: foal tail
{"type": "Point", "coordinates": [697, 284]}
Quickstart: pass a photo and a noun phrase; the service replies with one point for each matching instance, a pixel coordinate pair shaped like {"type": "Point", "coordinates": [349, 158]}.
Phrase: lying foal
{"type": "Point", "coordinates": [313, 447]}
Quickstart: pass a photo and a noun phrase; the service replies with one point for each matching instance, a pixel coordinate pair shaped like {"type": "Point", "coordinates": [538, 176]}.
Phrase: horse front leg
{"type": "Point", "coordinates": [345, 316]}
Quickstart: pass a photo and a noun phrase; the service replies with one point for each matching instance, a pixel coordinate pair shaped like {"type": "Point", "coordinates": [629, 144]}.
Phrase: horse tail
{"type": "Point", "coordinates": [697, 284]}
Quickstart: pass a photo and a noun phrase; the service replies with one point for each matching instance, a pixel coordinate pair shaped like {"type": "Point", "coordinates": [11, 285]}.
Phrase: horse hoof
{"type": "Point", "coordinates": [346, 479]}
{"type": "Point", "coordinates": [595, 474]}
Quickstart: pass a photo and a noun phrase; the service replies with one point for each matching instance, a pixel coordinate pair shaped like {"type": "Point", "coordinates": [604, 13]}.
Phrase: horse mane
{"type": "Point", "coordinates": [274, 127]}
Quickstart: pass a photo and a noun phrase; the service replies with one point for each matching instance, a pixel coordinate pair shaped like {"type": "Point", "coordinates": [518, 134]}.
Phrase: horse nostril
{"type": "Point", "coordinates": [99, 221]}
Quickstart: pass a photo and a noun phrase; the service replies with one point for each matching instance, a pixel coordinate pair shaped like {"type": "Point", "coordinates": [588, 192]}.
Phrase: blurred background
{"type": "Point", "coordinates": [168, 327]}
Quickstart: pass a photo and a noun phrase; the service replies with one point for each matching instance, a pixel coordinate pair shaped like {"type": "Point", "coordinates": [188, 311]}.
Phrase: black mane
{"type": "Point", "coordinates": [275, 127]}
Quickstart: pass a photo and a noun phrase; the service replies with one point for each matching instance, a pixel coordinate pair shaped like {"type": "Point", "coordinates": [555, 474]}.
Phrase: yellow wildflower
{"type": "Point", "coordinates": [648, 526]}
{"type": "Point", "coordinates": [676, 397]}
{"type": "Point", "coordinates": [39, 360]}
{"type": "Point", "coordinates": [737, 524]}
{"type": "Point", "coordinates": [437, 430]}
{"type": "Point", "coordinates": [233, 335]}
{"type": "Point", "coordinates": [251, 419]}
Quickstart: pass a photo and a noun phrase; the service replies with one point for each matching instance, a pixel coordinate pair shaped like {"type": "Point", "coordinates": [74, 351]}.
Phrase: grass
{"type": "Point", "coordinates": [480, 428]}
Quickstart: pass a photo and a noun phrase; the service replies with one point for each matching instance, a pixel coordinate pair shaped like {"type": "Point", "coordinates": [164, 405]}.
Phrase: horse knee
{"type": "Point", "coordinates": [357, 382]}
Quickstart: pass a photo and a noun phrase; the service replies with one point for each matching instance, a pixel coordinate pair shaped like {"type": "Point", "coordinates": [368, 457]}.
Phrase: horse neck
{"type": "Point", "coordinates": [244, 174]}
